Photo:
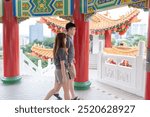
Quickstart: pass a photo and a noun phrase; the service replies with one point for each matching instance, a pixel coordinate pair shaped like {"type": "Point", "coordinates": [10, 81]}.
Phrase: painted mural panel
{"type": "Point", "coordinates": [29, 8]}
{"type": "Point", "coordinates": [90, 6]}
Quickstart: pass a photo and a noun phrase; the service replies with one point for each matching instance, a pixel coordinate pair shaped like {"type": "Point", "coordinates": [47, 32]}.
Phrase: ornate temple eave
{"type": "Point", "coordinates": [98, 23]}
{"type": "Point", "coordinates": [101, 22]}
{"type": "Point", "coordinates": [41, 52]}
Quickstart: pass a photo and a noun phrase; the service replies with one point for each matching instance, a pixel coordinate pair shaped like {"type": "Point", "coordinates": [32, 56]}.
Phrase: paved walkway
{"type": "Point", "coordinates": [36, 87]}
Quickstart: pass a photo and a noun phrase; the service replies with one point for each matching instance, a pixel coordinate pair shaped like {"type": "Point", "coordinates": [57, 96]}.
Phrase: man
{"type": "Point", "coordinates": [71, 29]}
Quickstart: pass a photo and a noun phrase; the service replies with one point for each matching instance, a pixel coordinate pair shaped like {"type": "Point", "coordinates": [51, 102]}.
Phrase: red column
{"type": "Point", "coordinates": [147, 90]}
{"type": "Point", "coordinates": [10, 44]}
{"type": "Point", "coordinates": [81, 42]}
{"type": "Point", "coordinates": [108, 43]}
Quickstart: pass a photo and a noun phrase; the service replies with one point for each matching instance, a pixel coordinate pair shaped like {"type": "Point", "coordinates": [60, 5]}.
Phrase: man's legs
{"type": "Point", "coordinates": [71, 87]}
{"type": "Point", "coordinates": [72, 75]}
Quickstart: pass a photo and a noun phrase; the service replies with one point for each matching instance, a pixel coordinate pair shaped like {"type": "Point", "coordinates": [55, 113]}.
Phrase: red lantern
{"type": "Point", "coordinates": [92, 31]}
{"type": "Point", "coordinates": [51, 26]}
{"type": "Point", "coordinates": [103, 32]}
{"type": "Point", "coordinates": [100, 33]}
{"type": "Point", "coordinates": [96, 32]}
{"type": "Point", "coordinates": [114, 29]}
{"type": "Point", "coordinates": [122, 32]}
{"type": "Point", "coordinates": [54, 30]}
{"type": "Point", "coordinates": [127, 27]}
{"type": "Point", "coordinates": [123, 26]}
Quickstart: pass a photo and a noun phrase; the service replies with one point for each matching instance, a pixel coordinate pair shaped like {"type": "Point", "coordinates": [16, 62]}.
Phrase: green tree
{"type": "Point", "coordinates": [48, 42]}
{"type": "Point", "coordinates": [27, 48]}
{"type": "Point", "coordinates": [34, 59]}
{"type": "Point", "coordinates": [113, 41]}
{"type": "Point", "coordinates": [134, 39]}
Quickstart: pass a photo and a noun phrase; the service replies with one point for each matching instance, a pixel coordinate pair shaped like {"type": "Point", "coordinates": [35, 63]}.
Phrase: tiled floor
{"type": "Point", "coordinates": [36, 87]}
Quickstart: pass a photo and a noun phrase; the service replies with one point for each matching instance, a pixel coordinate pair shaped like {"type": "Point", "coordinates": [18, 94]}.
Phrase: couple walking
{"type": "Point", "coordinates": [65, 71]}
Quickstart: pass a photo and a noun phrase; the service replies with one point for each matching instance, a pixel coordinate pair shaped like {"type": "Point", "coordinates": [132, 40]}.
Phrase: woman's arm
{"type": "Point", "coordinates": [62, 57]}
{"type": "Point", "coordinates": [63, 70]}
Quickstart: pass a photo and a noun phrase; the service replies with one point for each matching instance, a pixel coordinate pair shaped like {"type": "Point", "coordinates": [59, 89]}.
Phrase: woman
{"type": "Point", "coordinates": [60, 60]}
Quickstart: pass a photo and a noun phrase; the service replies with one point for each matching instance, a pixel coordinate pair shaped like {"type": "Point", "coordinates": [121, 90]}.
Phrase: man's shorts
{"type": "Point", "coordinates": [72, 71]}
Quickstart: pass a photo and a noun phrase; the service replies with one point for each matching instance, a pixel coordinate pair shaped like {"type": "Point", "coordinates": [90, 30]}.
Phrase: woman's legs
{"type": "Point", "coordinates": [57, 88]}
{"type": "Point", "coordinates": [53, 91]}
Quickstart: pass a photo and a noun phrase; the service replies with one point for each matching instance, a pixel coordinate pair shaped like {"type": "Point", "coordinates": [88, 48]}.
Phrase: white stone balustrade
{"type": "Point", "coordinates": [130, 79]}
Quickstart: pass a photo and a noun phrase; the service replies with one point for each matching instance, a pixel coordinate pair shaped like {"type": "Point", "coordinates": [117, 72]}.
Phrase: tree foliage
{"type": "Point", "coordinates": [130, 41]}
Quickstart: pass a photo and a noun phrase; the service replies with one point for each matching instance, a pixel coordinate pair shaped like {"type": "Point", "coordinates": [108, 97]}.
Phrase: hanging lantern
{"type": "Point", "coordinates": [115, 29]}
{"type": "Point", "coordinates": [96, 32]}
{"type": "Point", "coordinates": [118, 30]}
{"type": "Point", "coordinates": [92, 32]}
{"type": "Point", "coordinates": [127, 27]}
{"type": "Point", "coordinates": [122, 32]}
{"type": "Point", "coordinates": [103, 32]}
{"type": "Point", "coordinates": [123, 26]}
{"type": "Point", "coordinates": [53, 26]}
{"type": "Point", "coordinates": [50, 26]}
{"type": "Point", "coordinates": [100, 33]}
{"type": "Point", "coordinates": [54, 30]}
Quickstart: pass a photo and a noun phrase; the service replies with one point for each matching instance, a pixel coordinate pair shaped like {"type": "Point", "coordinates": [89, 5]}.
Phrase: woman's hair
{"type": "Point", "coordinates": [59, 43]}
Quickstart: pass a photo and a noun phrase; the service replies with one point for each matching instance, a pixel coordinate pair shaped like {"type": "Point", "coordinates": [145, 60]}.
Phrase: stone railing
{"type": "Point", "coordinates": [27, 67]}
{"type": "Point", "coordinates": [123, 72]}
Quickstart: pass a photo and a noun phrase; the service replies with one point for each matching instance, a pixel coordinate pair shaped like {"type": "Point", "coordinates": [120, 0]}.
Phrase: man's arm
{"type": "Point", "coordinates": [67, 45]}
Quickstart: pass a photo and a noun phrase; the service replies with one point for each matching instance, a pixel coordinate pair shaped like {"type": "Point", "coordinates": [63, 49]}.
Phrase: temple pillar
{"type": "Point", "coordinates": [147, 90]}
{"type": "Point", "coordinates": [10, 44]}
{"type": "Point", "coordinates": [108, 43]}
{"type": "Point", "coordinates": [81, 43]}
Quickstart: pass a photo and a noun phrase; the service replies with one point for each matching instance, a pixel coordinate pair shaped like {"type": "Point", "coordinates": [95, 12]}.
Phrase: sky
{"type": "Point", "coordinates": [115, 13]}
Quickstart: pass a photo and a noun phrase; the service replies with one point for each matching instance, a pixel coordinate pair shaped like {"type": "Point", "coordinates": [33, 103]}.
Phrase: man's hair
{"type": "Point", "coordinates": [70, 25]}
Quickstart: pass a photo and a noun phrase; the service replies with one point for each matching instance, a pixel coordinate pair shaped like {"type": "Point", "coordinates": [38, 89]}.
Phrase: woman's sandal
{"type": "Point", "coordinates": [58, 96]}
